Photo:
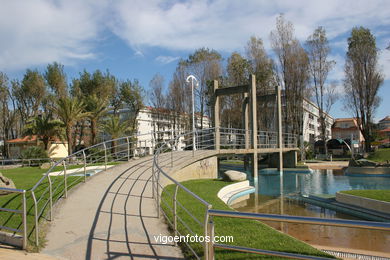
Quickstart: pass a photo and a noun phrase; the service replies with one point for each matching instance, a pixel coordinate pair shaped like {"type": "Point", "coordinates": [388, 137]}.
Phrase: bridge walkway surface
{"type": "Point", "coordinates": [112, 216]}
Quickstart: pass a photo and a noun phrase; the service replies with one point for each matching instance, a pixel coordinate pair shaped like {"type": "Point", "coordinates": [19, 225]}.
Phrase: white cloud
{"type": "Point", "coordinates": [166, 59]}
{"type": "Point", "coordinates": [139, 53]}
{"type": "Point", "coordinates": [227, 25]}
{"type": "Point", "coordinates": [37, 32]}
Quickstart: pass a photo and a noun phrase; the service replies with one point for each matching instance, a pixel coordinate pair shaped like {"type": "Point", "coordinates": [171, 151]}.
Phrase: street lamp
{"type": "Point", "coordinates": [192, 78]}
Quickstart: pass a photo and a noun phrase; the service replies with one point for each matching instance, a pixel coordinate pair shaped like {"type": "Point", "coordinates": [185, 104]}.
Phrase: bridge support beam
{"type": "Point", "coordinates": [216, 118]}
{"type": "Point", "coordinates": [245, 125]}
{"type": "Point", "coordinates": [280, 134]}
{"type": "Point", "coordinates": [253, 109]}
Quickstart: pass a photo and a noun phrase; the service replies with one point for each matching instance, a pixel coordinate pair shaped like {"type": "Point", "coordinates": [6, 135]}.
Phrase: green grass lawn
{"type": "Point", "coordinates": [247, 233]}
{"type": "Point", "coordinates": [382, 155]}
{"type": "Point", "coordinates": [26, 178]}
{"type": "Point", "coordinates": [383, 195]}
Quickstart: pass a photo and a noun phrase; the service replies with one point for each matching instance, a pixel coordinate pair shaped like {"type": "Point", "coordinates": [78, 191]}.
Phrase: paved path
{"type": "Point", "coordinates": [112, 216]}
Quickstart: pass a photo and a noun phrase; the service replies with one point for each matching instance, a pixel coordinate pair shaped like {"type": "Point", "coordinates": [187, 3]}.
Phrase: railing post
{"type": "Point", "coordinates": [50, 197]}
{"type": "Point", "coordinates": [153, 180]}
{"type": "Point", "coordinates": [211, 241]}
{"type": "Point", "coordinates": [65, 180]}
{"type": "Point", "coordinates": [171, 154]}
{"type": "Point", "coordinates": [85, 166]}
{"type": "Point", "coordinates": [128, 149]}
{"type": "Point", "coordinates": [158, 193]}
{"type": "Point", "coordinates": [152, 141]}
{"type": "Point", "coordinates": [24, 219]}
{"type": "Point", "coordinates": [36, 218]}
{"type": "Point", "coordinates": [105, 156]}
{"type": "Point", "coordinates": [206, 233]}
{"type": "Point", "coordinates": [175, 210]}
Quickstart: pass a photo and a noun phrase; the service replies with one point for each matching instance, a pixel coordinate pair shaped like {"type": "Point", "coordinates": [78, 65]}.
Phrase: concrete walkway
{"type": "Point", "coordinates": [112, 216]}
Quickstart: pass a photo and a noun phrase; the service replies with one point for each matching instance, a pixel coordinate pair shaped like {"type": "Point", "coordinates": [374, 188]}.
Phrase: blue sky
{"type": "Point", "coordinates": [137, 39]}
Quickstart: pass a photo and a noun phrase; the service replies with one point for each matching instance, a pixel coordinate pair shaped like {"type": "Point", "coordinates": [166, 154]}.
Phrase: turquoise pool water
{"type": "Point", "coordinates": [312, 182]}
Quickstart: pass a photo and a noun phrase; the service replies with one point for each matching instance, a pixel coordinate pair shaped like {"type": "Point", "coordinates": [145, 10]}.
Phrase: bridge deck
{"type": "Point", "coordinates": [111, 216]}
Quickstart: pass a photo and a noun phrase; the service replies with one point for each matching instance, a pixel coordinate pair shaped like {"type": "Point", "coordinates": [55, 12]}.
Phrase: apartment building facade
{"type": "Point", "coordinates": [312, 123]}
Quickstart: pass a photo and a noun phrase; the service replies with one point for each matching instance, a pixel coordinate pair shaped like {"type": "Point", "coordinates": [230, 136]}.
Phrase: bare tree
{"type": "Point", "coordinates": [158, 100]}
{"type": "Point", "coordinates": [293, 75]}
{"type": "Point", "coordinates": [205, 64]}
{"type": "Point", "coordinates": [362, 80]}
{"type": "Point", "coordinates": [319, 66]}
{"type": "Point", "coordinates": [8, 115]}
{"type": "Point", "coordinates": [263, 68]}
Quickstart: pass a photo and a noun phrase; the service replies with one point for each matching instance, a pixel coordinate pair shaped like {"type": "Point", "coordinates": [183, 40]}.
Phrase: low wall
{"type": "Point", "coordinates": [369, 170]}
{"type": "Point", "coordinates": [377, 205]}
{"type": "Point", "coordinates": [235, 192]}
{"type": "Point", "coordinates": [203, 169]}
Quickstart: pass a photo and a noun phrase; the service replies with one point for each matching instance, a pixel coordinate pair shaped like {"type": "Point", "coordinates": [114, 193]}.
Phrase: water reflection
{"type": "Point", "coordinates": [275, 197]}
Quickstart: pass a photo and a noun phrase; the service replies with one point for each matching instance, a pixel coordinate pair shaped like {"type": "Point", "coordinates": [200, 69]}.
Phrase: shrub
{"type": "Point", "coordinates": [35, 152]}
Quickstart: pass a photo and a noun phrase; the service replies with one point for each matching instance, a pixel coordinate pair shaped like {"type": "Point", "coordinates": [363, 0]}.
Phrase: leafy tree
{"type": "Point", "coordinates": [97, 109]}
{"type": "Point", "coordinates": [131, 95]}
{"type": "Point", "coordinates": [238, 70]}
{"type": "Point", "coordinates": [45, 128]}
{"type": "Point", "coordinates": [115, 128]}
{"type": "Point", "coordinates": [362, 80]}
{"type": "Point", "coordinates": [318, 49]}
{"type": "Point", "coordinates": [29, 94]}
{"type": "Point", "coordinates": [98, 83]}
{"type": "Point", "coordinates": [261, 65]}
{"type": "Point", "coordinates": [70, 111]}
{"type": "Point", "coordinates": [56, 79]}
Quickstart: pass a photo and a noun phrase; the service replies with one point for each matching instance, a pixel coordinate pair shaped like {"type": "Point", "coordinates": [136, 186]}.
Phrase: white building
{"type": "Point", "coordinates": [161, 125]}
{"type": "Point", "coordinates": [312, 123]}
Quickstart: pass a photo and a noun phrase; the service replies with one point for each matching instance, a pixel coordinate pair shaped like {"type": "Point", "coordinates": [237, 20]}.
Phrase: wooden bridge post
{"type": "Point", "coordinates": [216, 117]}
{"type": "Point", "coordinates": [253, 104]}
{"type": "Point", "coordinates": [280, 134]}
{"type": "Point", "coordinates": [245, 124]}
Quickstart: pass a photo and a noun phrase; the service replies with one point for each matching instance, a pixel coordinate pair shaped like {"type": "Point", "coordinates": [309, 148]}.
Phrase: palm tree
{"type": "Point", "coordinates": [70, 111]}
{"type": "Point", "coordinates": [115, 128]}
{"type": "Point", "coordinates": [45, 128]}
{"type": "Point", "coordinates": [97, 108]}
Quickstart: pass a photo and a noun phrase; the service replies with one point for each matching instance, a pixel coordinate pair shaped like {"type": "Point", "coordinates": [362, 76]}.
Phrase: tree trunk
{"type": "Point", "coordinates": [69, 137]}
{"type": "Point", "coordinates": [93, 131]}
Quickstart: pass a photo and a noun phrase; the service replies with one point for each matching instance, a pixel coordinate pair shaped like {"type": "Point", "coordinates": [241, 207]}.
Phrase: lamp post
{"type": "Point", "coordinates": [192, 78]}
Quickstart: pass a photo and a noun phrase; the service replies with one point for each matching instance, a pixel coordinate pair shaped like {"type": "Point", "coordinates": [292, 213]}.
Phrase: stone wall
{"type": "Point", "coordinates": [377, 205]}
{"type": "Point", "coordinates": [203, 169]}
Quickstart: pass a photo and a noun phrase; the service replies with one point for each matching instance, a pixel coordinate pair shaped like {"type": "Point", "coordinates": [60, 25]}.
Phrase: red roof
{"type": "Point", "coordinates": [23, 139]}
{"type": "Point", "coordinates": [27, 139]}
{"type": "Point", "coordinates": [387, 118]}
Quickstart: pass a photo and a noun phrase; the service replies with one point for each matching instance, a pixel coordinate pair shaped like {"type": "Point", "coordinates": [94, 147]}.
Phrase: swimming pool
{"type": "Point", "coordinates": [323, 183]}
